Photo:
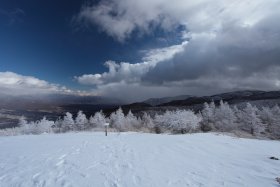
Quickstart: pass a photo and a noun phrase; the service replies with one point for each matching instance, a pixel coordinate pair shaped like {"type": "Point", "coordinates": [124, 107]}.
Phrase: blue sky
{"type": "Point", "coordinates": [136, 49]}
{"type": "Point", "coordinates": [42, 39]}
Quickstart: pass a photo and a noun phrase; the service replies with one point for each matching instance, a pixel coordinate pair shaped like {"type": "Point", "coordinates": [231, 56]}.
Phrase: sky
{"type": "Point", "coordinates": [138, 49]}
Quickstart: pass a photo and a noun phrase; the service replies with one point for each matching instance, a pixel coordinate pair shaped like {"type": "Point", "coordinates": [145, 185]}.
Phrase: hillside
{"type": "Point", "coordinates": [159, 101]}
{"type": "Point", "coordinates": [135, 159]}
{"type": "Point", "coordinates": [53, 107]}
{"type": "Point", "coordinates": [231, 98]}
{"type": "Point", "coordinates": [239, 98]}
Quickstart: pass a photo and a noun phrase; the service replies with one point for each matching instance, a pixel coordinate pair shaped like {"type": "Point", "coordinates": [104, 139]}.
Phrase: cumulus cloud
{"type": "Point", "coordinates": [120, 18]}
{"type": "Point", "coordinates": [117, 72]}
{"type": "Point", "coordinates": [237, 51]}
{"type": "Point", "coordinates": [131, 73]}
{"type": "Point", "coordinates": [226, 45]}
{"type": "Point", "coordinates": [15, 84]}
{"type": "Point", "coordinates": [204, 85]}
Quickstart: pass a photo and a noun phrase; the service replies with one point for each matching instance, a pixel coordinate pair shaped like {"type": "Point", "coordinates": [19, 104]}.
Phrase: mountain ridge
{"type": "Point", "coordinates": [196, 102]}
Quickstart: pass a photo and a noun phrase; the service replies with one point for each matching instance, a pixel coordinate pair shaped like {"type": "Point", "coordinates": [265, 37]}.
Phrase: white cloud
{"type": "Point", "coordinates": [226, 45]}
{"type": "Point", "coordinates": [153, 56]}
{"type": "Point", "coordinates": [15, 84]}
{"type": "Point", "coordinates": [204, 85]}
{"type": "Point", "coordinates": [120, 18]}
{"type": "Point", "coordinates": [131, 73]}
{"type": "Point", "coordinates": [117, 72]}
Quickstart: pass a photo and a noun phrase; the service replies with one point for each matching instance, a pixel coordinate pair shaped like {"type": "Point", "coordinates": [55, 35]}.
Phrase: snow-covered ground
{"type": "Point", "coordinates": [135, 159]}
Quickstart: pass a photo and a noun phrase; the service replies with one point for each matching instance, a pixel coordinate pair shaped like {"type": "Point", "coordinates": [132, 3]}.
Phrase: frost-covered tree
{"type": "Point", "coordinates": [118, 120]}
{"type": "Point", "coordinates": [208, 116]}
{"type": "Point", "coordinates": [147, 121]}
{"type": "Point", "coordinates": [68, 123]}
{"type": "Point", "coordinates": [81, 121]}
{"type": "Point", "coordinates": [28, 128]}
{"type": "Point", "coordinates": [37, 127]}
{"type": "Point", "coordinates": [274, 128]}
{"type": "Point", "coordinates": [57, 125]}
{"type": "Point", "coordinates": [132, 122]}
{"type": "Point", "coordinates": [267, 117]}
{"type": "Point", "coordinates": [22, 121]}
{"type": "Point", "coordinates": [11, 131]}
{"type": "Point", "coordinates": [31, 128]}
{"type": "Point", "coordinates": [98, 120]}
{"type": "Point", "coordinates": [23, 125]}
{"type": "Point", "coordinates": [182, 121]}
{"type": "Point", "coordinates": [225, 118]}
{"type": "Point", "coordinates": [250, 120]}
{"type": "Point", "coordinates": [45, 125]}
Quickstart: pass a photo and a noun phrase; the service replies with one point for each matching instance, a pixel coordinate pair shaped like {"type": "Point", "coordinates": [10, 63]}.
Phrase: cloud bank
{"type": "Point", "coordinates": [226, 45]}
{"type": "Point", "coordinates": [18, 85]}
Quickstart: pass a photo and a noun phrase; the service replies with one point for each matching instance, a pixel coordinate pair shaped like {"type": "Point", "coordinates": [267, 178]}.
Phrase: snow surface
{"type": "Point", "coordinates": [135, 159]}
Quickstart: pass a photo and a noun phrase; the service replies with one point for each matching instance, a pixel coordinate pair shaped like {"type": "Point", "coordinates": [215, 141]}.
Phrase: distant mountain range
{"type": "Point", "coordinates": [53, 101]}
{"type": "Point", "coordinates": [53, 106]}
{"type": "Point", "coordinates": [231, 97]}
{"type": "Point", "coordinates": [158, 101]}
{"type": "Point", "coordinates": [239, 98]}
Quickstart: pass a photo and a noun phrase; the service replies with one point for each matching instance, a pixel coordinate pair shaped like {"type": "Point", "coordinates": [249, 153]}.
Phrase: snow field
{"type": "Point", "coordinates": [136, 159]}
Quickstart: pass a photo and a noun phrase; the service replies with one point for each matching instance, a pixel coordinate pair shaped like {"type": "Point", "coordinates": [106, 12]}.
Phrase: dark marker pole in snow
{"type": "Point", "coordinates": [106, 128]}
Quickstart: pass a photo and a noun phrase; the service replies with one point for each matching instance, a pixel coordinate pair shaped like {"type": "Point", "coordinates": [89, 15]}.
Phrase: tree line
{"type": "Point", "coordinates": [218, 118]}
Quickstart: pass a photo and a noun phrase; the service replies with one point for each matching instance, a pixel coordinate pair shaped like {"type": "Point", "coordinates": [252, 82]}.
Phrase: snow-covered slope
{"type": "Point", "coordinates": [135, 159]}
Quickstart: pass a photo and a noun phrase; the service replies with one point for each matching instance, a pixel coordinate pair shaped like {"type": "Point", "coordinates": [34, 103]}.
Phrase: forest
{"type": "Point", "coordinates": [258, 122]}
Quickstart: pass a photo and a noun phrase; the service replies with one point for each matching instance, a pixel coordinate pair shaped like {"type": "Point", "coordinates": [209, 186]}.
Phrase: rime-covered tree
{"type": "Point", "coordinates": [132, 122]}
{"type": "Point", "coordinates": [208, 116]}
{"type": "Point", "coordinates": [98, 120]}
{"type": "Point", "coordinates": [57, 125]}
{"type": "Point", "coordinates": [81, 121]}
{"type": "Point", "coordinates": [267, 117]}
{"type": "Point", "coordinates": [207, 113]}
{"type": "Point", "coordinates": [24, 126]}
{"type": "Point", "coordinates": [68, 123]}
{"type": "Point", "coordinates": [147, 121]}
{"type": "Point", "coordinates": [41, 126]}
{"type": "Point", "coordinates": [274, 128]}
{"type": "Point", "coordinates": [22, 123]}
{"type": "Point", "coordinates": [45, 125]}
{"type": "Point", "coordinates": [182, 121]}
{"type": "Point", "coordinates": [31, 128]}
{"type": "Point", "coordinates": [118, 120]}
{"type": "Point", "coordinates": [225, 118]}
{"type": "Point", "coordinates": [250, 120]}
{"type": "Point", "coordinates": [37, 127]}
